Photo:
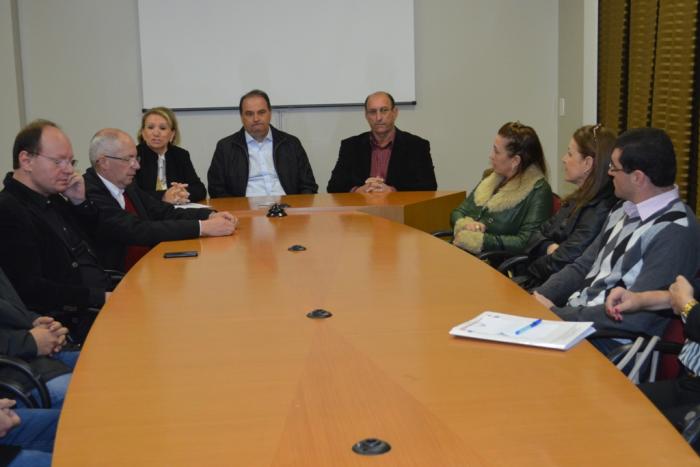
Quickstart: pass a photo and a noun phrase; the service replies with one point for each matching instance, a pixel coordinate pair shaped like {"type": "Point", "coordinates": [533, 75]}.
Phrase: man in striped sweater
{"type": "Point", "coordinates": [649, 238]}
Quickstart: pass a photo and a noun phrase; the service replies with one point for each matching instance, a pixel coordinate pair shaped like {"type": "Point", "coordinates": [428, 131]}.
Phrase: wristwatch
{"type": "Point", "coordinates": [687, 307]}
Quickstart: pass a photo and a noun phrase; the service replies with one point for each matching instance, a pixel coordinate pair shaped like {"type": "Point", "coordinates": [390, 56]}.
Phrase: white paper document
{"type": "Point", "coordinates": [513, 329]}
{"type": "Point", "coordinates": [192, 206]}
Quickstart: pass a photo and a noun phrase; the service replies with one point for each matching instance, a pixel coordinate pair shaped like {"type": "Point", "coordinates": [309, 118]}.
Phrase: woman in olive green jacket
{"type": "Point", "coordinates": [511, 202]}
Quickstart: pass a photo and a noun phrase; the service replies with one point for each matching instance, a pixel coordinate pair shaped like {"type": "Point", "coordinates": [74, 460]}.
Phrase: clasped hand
{"type": "Point", "coordinates": [177, 194]}
{"type": "Point", "coordinates": [219, 224]}
{"type": "Point", "coordinates": [49, 335]}
{"type": "Point", "coordinates": [375, 185]}
{"type": "Point", "coordinates": [474, 227]}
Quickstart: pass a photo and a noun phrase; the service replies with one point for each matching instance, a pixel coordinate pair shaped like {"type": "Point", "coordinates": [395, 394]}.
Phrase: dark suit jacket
{"type": "Point", "coordinates": [38, 260]}
{"type": "Point", "coordinates": [156, 221]}
{"type": "Point", "coordinates": [410, 167]}
{"type": "Point", "coordinates": [15, 340]}
{"type": "Point", "coordinates": [229, 169]}
{"type": "Point", "coordinates": [178, 168]}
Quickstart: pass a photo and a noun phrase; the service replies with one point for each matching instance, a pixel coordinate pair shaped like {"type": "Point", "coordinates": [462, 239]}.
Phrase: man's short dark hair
{"type": "Point", "coordinates": [254, 93]}
{"type": "Point", "coordinates": [391, 98]}
{"type": "Point", "coordinates": [649, 150]}
{"type": "Point", "coordinates": [29, 139]}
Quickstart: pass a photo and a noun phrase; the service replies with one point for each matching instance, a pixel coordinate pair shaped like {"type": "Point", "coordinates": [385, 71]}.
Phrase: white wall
{"type": "Point", "coordinates": [10, 116]}
{"type": "Point", "coordinates": [479, 64]}
{"type": "Point", "coordinates": [578, 52]}
{"type": "Point", "coordinates": [80, 61]}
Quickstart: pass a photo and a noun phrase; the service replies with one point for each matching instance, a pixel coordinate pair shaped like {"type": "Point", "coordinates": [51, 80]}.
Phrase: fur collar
{"type": "Point", "coordinates": [510, 194]}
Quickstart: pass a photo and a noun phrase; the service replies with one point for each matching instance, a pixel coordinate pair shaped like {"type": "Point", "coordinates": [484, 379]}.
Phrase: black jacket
{"type": "Point", "coordinates": [178, 168]}
{"type": "Point", "coordinates": [15, 340]}
{"type": "Point", "coordinates": [410, 166]}
{"type": "Point", "coordinates": [156, 222]}
{"type": "Point", "coordinates": [573, 233]}
{"type": "Point", "coordinates": [36, 258]}
{"type": "Point", "coordinates": [228, 172]}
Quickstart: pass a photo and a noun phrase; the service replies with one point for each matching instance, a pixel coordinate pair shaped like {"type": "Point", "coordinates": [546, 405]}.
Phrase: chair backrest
{"type": "Point", "coordinates": [670, 365]}
{"type": "Point", "coordinates": [556, 203]}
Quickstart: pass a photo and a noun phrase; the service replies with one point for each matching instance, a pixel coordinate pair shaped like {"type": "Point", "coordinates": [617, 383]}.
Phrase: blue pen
{"type": "Point", "coordinates": [529, 326]}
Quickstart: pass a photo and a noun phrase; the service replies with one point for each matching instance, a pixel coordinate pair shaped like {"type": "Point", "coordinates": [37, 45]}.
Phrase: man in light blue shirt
{"type": "Point", "coordinates": [262, 177]}
{"type": "Point", "coordinates": [259, 160]}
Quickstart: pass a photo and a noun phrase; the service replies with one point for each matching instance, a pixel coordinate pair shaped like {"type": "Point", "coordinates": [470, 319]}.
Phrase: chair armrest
{"type": "Point", "coordinates": [618, 353]}
{"type": "Point", "coordinates": [15, 387]}
{"type": "Point", "coordinates": [669, 347]}
{"type": "Point", "coordinates": [691, 427]}
{"type": "Point", "coordinates": [640, 350]}
{"type": "Point", "coordinates": [442, 233]}
{"type": "Point", "coordinates": [495, 257]}
{"type": "Point", "coordinates": [618, 335]}
{"type": "Point", "coordinates": [114, 277]}
{"type": "Point", "coordinates": [508, 265]}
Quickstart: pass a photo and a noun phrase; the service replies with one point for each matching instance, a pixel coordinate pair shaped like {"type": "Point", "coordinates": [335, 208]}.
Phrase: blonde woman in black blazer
{"type": "Point", "coordinates": [159, 134]}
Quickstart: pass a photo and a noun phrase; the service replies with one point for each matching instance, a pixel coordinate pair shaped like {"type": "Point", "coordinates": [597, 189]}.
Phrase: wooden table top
{"type": "Point", "coordinates": [331, 201]}
{"type": "Point", "coordinates": [428, 211]}
{"type": "Point", "coordinates": [212, 361]}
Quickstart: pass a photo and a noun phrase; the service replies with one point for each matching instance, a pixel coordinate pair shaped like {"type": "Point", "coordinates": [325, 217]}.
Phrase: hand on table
{"type": "Point", "coordinates": [219, 224]}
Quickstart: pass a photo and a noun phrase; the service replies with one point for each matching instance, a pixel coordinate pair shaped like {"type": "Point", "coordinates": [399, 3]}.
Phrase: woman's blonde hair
{"type": "Point", "coordinates": [169, 117]}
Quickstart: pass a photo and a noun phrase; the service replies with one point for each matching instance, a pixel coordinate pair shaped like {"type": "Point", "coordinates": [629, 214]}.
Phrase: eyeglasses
{"type": "Point", "coordinates": [374, 112]}
{"type": "Point", "coordinates": [60, 163]}
{"type": "Point", "coordinates": [128, 159]}
{"type": "Point", "coordinates": [613, 169]}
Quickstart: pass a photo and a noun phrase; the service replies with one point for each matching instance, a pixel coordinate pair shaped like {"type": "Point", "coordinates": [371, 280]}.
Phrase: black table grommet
{"type": "Point", "coordinates": [371, 447]}
{"type": "Point", "coordinates": [319, 314]}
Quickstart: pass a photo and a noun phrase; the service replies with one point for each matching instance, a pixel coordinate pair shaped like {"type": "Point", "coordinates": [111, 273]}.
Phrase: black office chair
{"type": "Point", "coordinates": [515, 267]}
{"type": "Point", "coordinates": [492, 258]}
{"type": "Point", "coordinates": [691, 428]}
{"type": "Point", "coordinates": [79, 321]}
{"type": "Point", "coordinates": [115, 277]}
{"type": "Point", "coordinates": [648, 358]}
{"type": "Point", "coordinates": [17, 380]}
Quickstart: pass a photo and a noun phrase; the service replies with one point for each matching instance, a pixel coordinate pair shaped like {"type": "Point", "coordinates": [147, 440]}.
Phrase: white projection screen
{"type": "Point", "coordinates": [204, 54]}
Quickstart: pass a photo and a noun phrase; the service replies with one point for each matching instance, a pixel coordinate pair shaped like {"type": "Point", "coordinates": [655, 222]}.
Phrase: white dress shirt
{"type": "Point", "coordinates": [262, 176]}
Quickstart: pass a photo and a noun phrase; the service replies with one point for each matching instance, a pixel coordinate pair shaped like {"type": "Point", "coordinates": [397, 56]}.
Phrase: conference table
{"type": "Point", "coordinates": [214, 360]}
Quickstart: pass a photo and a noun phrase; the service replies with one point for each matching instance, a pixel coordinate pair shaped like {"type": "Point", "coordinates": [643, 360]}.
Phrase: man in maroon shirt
{"type": "Point", "coordinates": [385, 158]}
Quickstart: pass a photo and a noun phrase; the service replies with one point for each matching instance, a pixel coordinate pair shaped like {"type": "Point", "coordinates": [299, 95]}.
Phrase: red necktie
{"type": "Point", "coordinates": [133, 252]}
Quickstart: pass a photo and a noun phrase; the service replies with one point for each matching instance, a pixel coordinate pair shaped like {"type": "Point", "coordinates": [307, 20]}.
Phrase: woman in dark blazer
{"type": "Point", "coordinates": [565, 236]}
{"type": "Point", "coordinates": [166, 170]}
